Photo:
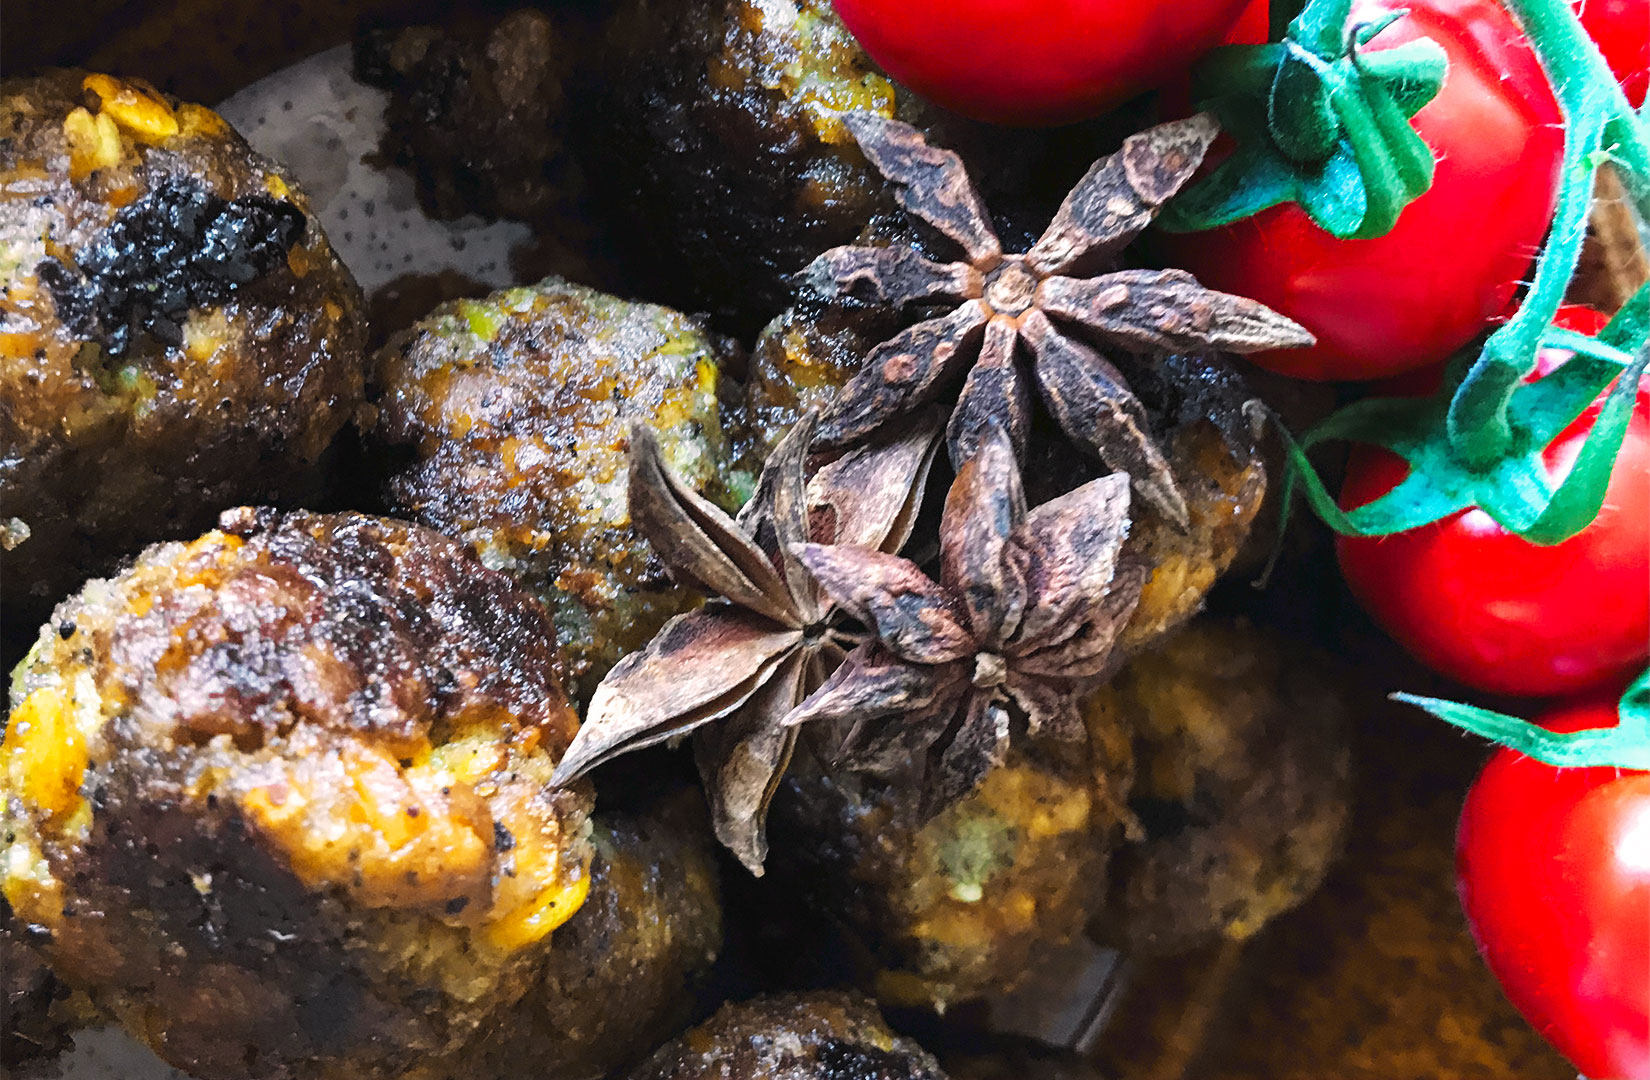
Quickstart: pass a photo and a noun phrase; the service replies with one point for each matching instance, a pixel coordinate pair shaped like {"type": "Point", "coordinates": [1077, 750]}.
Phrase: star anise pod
{"type": "Point", "coordinates": [1037, 318]}
{"type": "Point", "coordinates": [769, 636]}
{"type": "Point", "coordinates": [1025, 613]}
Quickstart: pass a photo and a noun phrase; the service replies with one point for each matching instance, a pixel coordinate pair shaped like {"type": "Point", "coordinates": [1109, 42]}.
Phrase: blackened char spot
{"type": "Point", "coordinates": [178, 247]}
{"type": "Point", "coordinates": [839, 1060]}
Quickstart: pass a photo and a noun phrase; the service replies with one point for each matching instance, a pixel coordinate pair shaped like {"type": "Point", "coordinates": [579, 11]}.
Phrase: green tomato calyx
{"type": "Point", "coordinates": [1320, 121]}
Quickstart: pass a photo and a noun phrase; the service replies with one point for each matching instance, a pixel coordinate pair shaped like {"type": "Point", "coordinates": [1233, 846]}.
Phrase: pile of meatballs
{"type": "Point", "coordinates": [301, 629]}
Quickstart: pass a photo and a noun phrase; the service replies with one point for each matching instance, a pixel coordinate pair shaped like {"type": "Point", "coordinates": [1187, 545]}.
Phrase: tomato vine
{"type": "Point", "coordinates": [1323, 124]}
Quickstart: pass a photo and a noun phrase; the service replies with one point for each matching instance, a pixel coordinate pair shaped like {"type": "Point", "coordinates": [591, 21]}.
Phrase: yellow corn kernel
{"type": "Point", "coordinates": [204, 335]}
{"type": "Point", "coordinates": [199, 120]}
{"type": "Point", "coordinates": [548, 910]}
{"type": "Point", "coordinates": [276, 186]}
{"type": "Point", "coordinates": [45, 753]}
{"type": "Point", "coordinates": [27, 883]}
{"type": "Point", "coordinates": [94, 143]}
{"type": "Point", "coordinates": [136, 109]}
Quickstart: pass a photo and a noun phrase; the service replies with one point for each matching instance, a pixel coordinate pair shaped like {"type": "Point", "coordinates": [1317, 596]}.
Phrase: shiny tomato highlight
{"type": "Point", "coordinates": [1498, 613]}
{"type": "Point", "coordinates": [1553, 867]}
{"type": "Point", "coordinates": [1036, 61]}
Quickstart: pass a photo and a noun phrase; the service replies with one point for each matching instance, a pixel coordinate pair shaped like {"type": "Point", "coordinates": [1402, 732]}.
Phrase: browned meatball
{"type": "Point", "coordinates": [477, 109]}
{"type": "Point", "coordinates": [1241, 761]}
{"type": "Point", "coordinates": [278, 799]}
{"type": "Point", "coordinates": [820, 1036]}
{"type": "Point", "coordinates": [622, 972]}
{"type": "Point", "coordinates": [1199, 410]}
{"type": "Point", "coordinates": [800, 361]}
{"type": "Point", "coordinates": [176, 335]}
{"type": "Point", "coordinates": [946, 909]}
{"type": "Point", "coordinates": [518, 411]}
{"type": "Point", "coordinates": [720, 161]}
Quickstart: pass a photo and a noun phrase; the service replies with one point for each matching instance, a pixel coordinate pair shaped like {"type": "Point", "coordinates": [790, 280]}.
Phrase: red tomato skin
{"type": "Point", "coordinates": [1453, 261]}
{"type": "Point", "coordinates": [1478, 604]}
{"type": "Point", "coordinates": [1553, 867]}
{"type": "Point", "coordinates": [1622, 30]}
{"type": "Point", "coordinates": [1036, 62]}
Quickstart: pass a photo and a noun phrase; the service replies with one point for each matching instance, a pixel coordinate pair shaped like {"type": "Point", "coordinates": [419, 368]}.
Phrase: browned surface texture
{"type": "Point", "coordinates": [718, 149]}
{"type": "Point", "coordinates": [517, 409]}
{"type": "Point", "coordinates": [477, 110]}
{"type": "Point", "coordinates": [1241, 785]}
{"type": "Point", "coordinates": [1377, 977]}
{"type": "Point", "coordinates": [121, 424]}
{"type": "Point", "coordinates": [327, 733]}
{"type": "Point", "coordinates": [821, 1036]}
{"type": "Point", "coordinates": [1374, 978]}
{"type": "Point", "coordinates": [621, 974]}
{"type": "Point", "coordinates": [203, 50]}
{"type": "Point", "coordinates": [936, 913]}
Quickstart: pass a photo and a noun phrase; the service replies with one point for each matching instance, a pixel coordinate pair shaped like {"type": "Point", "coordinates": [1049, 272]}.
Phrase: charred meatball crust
{"type": "Point", "coordinates": [176, 335]}
{"type": "Point", "coordinates": [939, 911]}
{"type": "Point", "coordinates": [820, 1036]}
{"type": "Point", "coordinates": [1241, 784]}
{"type": "Point", "coordinates": [623, 970]}
{"type": "Point", "coordinates": [477, 109]}
{"type": "Point", "coordinates": [719, 160]}
{"type": "Point", "coordinates": [518, 409]}
{"type": "Point", "coordinates": [278, 798]}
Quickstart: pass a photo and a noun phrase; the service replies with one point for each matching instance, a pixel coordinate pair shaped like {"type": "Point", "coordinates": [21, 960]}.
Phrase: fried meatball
{"type": "Point", "coordinates": [821, 1036]}
{"type": "Point", "coordinates": [518, 411]}
{"type": "Point", "coordinates": [1241, 762]}
{"type": "Point", "coordinates": [945, 909]}
{"type": "Point", "coordinates": [719, 158]}
{"type": "Point", "coordinates": [1199, 408]}
{"type": "Point", "coordinates": [621, 974]}
{"type": "Point", "coordinates": [800, 361]}
{"type": "Point", "coordinates": [37, 1016]}
{"type": "Point", "coordinates": [477, 109]}
{"type": "Point", "coordinates": [176, 335]}
{"type": "Point", "coordinates": [278, 798]}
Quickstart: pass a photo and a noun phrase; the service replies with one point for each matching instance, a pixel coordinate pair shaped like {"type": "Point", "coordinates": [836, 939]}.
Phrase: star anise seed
{"type": "Point", "coordinates": [1038, 319]}
{"type": "Point", "coordinates": [1024, 615]}
{"type": "Point", "coordinates": [732, 671]}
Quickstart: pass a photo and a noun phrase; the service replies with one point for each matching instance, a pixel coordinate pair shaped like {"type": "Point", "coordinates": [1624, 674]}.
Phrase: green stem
{"type": "Point", "coordinates": [1618, 746]}
{"type": "Point", "coordinates": [1594, 109]}
{"type": "Point", "coordinates": [1624, 746]}
{"type": "Point", "coordinates": [1321, 25]}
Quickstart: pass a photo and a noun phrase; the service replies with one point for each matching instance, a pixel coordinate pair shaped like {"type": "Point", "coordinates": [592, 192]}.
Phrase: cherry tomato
{"type": "Point", "coordinates": [1622, 30]}
{"type": "Point", "coordinates": [1451, 264]}
{"type": "Point", "coordinates": [1553, 867]}
{"type": "Point", "coordinates": [1036, 61]}
{"type": "Point", "coordinates": [1496, 612]}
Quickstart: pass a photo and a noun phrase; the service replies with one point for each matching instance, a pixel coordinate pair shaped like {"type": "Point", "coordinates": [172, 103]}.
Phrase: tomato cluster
{"type": "Point", "coordinates": [1554, 864]}
{"type": "Point", "coordinates": [1496, 612]}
